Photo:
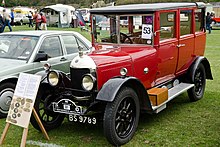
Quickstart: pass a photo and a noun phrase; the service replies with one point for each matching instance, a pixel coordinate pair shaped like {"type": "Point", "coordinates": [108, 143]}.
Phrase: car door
{"type": "Point", "coordinates": [53, 47]}
{"type": "Point", "coordinates": [186, 40]}
{"type": "Point", "coordinates": [167, 50]}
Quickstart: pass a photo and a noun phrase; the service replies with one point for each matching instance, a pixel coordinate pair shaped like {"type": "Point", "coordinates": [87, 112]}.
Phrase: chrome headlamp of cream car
{"type": "Point", "coordinates": [53, 78]}
{"type": "Point", "coordinates": [88, 82]}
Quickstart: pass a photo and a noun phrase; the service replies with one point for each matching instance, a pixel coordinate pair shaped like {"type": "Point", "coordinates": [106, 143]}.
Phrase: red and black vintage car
{"type": "Point", "coordinates": [145, 55]}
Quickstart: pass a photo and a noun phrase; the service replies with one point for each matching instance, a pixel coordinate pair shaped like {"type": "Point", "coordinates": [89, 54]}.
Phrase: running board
{"type": "Point", "coordinates": [172, 93]}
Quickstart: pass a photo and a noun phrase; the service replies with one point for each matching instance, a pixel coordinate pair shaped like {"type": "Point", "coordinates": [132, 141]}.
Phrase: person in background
{"type": "Point", "coordinates": [37, 19]}
{"type": "Point", "coordinates": [1, 23]}
{"type": "Point", "coordinates": [6, 18]}
{"type": "Point", "coordinates": [12, 17]}
{"type": "Point", "coordinates": [43, 22]}
{"type": "Point", "coordinates": [212, 14]}
{"type": "Point", "coordinates": [30, 18]}
{"type": "Point", "coordinates": [208, 22]}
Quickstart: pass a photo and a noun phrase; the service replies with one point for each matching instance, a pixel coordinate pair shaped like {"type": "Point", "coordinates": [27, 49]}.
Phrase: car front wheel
{"type": "Point", "coordinates": [121, 117]}
{"type": "Point", "coordinates": [43, 107]}
{"type": "Point", "coordinates": [199, 79]}
{"type": "Point", "coordinates": [6, 94]}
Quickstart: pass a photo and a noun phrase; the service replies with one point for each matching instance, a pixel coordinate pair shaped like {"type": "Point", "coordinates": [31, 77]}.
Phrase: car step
{"type": "Point", "coordinates": [173, 93]}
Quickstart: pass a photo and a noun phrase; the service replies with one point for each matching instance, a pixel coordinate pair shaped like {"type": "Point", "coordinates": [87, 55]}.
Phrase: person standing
{"type": "Point", "coordinates": [6, 18]}
{"type": "Point", "coordinates": [208, 22]}
{"type": "Point", "coordinates": [37, 18]}
{"type": "Point", "coordinates": [30, 18]}
{"type": "Point", "coordinates": [12, 17]}
{"type": "Point", "coordinates": [43, 22]}
{"type": "Point", "coordinates": [1, 23]}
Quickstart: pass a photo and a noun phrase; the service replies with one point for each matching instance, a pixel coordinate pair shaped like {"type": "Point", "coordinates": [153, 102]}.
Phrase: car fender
{"type": "Point", "coordinates": [205, 62]}
{"type": "Point", "coordinates": [110, 89]}
{"type": "Point", "coordinates": [12, 79]}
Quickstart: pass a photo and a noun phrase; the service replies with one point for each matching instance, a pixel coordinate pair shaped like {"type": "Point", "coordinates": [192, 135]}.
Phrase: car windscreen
{"type": "Point", "coordinates": [18, 47]}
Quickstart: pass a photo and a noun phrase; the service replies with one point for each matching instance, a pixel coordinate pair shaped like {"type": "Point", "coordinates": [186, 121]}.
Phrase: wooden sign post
{"type": "Point", "coordinates": [22, 106]}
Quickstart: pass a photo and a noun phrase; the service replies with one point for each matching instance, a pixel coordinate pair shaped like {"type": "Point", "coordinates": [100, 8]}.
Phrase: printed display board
{"type": "Point", "coordinates": [23, 100]}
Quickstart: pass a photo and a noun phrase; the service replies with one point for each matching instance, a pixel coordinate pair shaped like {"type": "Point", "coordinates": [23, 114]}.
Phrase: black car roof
{"type": "Point", "coordinates": [143, 8]}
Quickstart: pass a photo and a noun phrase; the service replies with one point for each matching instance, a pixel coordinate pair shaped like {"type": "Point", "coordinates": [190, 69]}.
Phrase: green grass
{"type": "Point", "coordinates": [183, 123]}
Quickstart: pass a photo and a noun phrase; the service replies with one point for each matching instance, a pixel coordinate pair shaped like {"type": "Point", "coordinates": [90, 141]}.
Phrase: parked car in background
{"type": "Point", "coordinates": [134, 69]}
{"type": "Point", "coordinates": [215, 23]}
{"type": "Point", "coordinates": [27, 51]}
{"type": "Point", "coordinates": [21, 15]}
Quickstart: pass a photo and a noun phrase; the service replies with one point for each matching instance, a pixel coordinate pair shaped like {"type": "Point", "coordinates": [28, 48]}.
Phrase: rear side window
{"type": "Point", "coordinates": [70, 44]}
{"type": "Point", "coordinates": [199, 20]}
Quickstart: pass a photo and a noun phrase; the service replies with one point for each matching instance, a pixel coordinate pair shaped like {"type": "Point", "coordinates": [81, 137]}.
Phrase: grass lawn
{"type": "Point", "coordinates": [183, 123]}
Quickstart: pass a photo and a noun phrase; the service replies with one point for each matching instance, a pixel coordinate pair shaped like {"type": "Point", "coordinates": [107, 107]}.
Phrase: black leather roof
{"type": "Point", "coordinates": [143, 8]}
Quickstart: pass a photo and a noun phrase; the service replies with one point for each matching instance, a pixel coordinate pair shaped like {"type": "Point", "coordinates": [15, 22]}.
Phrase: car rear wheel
{"type": "Point", "coordinates": [121, 117]}
{"type": "Point", "coordinates": [6, 94]}
{"type": "Point", "coordinates": [43, 107]}
{"type": "Point", "coordinates": [199, 79]}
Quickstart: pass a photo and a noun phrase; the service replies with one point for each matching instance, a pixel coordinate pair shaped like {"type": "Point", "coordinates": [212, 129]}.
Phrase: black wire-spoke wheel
{"type": "Point", "coordinates": [125, 117]}
{"type": "Point", "coordinates": [199, 81]}
{"type": "Point", "coordinates": [43, 107]}
{"type": "Point", "coordinates": [121, 117]}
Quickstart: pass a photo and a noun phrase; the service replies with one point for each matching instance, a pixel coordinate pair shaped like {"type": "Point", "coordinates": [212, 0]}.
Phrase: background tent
{"type": "Point", "coordinates": [59, 15]}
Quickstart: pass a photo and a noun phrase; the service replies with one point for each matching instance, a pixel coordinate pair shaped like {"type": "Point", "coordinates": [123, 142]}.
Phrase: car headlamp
{"type": "Point", "coordinates": [47, 66]}
{"type": "Point", "coordinates": [88, 82]}
{"type": "Point", "coordinates": [53, 78]}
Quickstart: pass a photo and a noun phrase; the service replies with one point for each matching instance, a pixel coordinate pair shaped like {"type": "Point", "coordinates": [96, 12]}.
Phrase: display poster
{"type": "Point", "coordinates": [146, 31]}
{"type": "Point", "coordinates": [23, 100]}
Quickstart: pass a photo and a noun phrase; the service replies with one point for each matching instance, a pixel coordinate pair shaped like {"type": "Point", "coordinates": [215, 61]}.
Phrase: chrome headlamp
{"type": "Point", "coordinates": [88, 82]}
{"type": "Point", "coordinates": [47, 66]}
{"type": "Point", "coordinates": [53, 78]}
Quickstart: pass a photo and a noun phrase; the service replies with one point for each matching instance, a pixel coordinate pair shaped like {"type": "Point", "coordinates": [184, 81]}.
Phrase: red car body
{"type": "Point", "coordinates": [135, 68]}
{"type": "Point", "coordinates": [164, 58]}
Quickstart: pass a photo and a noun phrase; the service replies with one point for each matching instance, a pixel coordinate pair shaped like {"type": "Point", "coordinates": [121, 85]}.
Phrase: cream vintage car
{"type": "Point", "coordinates": [28, 51]}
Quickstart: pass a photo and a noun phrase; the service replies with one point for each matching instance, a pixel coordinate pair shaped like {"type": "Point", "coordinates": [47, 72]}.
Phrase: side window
{"type": "Point", "coordinates": [51, 46]}
{"type": "Point", "coordinates": [167, 25]}
{"type": "Point", "coordinates": [185, 22]}
{"type": "Point", "coordinates": [70, 44]}
{"type": "Point", "coordinates": [199, 20]}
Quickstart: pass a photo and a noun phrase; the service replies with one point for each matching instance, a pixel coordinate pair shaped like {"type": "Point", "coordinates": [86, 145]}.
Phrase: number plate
{"type": "Point", "coordinates": [82, 119]}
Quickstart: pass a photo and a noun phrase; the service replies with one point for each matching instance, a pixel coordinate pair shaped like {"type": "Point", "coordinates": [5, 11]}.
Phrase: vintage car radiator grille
{"type": "Point", "coordinates": [76, 76]}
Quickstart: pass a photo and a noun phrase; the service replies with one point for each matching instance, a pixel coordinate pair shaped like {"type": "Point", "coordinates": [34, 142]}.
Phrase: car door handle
{"type": "Point", "coordinates": [180, 45]}
{"type": "Point", "coordinates": [63, 59]}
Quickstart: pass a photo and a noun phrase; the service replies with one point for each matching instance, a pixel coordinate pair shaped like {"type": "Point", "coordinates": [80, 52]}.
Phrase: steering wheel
{"type": "Point", "coordinates": [123, 37]}
{"type": "Point", "coordinates": [2, 51]}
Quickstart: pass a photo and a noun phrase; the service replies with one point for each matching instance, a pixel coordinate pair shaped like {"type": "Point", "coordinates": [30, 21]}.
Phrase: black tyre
{"type": "Point", "coordinates": [43, 107]}
{"type": "Point", "coordinates": [121, 117]}
{"type": "Point", "coordinates": [199, 79]}
{"type": "Point", "coordinates": [21, 22]}
{"type": "Point", "coordinates": [6, 94]}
